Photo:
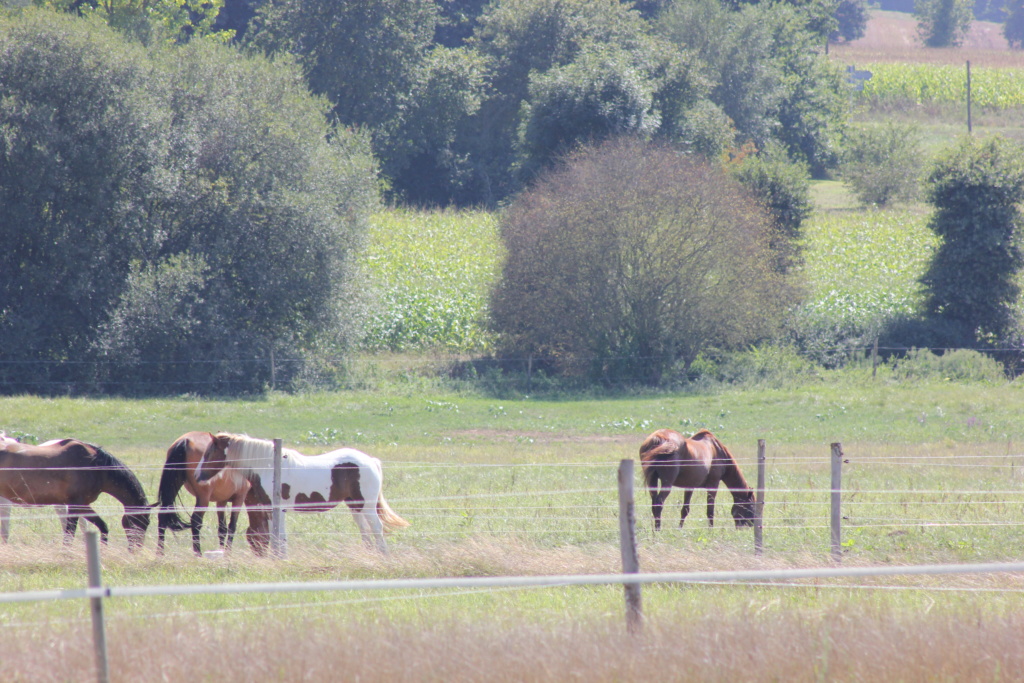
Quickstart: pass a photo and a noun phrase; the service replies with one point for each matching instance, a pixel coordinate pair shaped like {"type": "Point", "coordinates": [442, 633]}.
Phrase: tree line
{"type": "Point", "coordinates": [183, 183]}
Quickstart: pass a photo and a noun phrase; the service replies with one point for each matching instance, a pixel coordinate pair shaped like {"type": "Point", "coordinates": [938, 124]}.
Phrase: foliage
{"type": "Point", "coordinates": [207, 156]}
{"type": "Point", "coordinates": [976, 189]}
{"type": "Point", "coordinates": [1013, 27]}
{"type": "Point", "coordinates": [995, 87]}
{"type": "Point", "coordinates": [852, 19]}
{"type": "Point", "coordinates": [428, 276]}
{"type": "Point", "coordinates": [523, 39]}
{"type": "Point", "coordinates": [883, 165]}
{"type": "Point", "coordinates": [768, 75]}
{"type": "Point", "coordinates": [599, 95]}
{"type": "Point", "coordinates": [781, 186]}
{"type": "Point", "coordinates": [861, 275]}
{"type": "Point", "coordinates": [629, 258]}
{"type": "Point", "coordinates": [943, 23]}
{"type": "Point", "coordinates": [957, 365]}
{"type": "Point", "coordinates": [175, 20]}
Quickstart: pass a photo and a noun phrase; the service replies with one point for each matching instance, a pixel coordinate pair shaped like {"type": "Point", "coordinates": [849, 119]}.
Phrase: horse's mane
{"type": "Point", "coordinates": [119, 473]}
{"type": "Point", "coordinates": [249, 454]}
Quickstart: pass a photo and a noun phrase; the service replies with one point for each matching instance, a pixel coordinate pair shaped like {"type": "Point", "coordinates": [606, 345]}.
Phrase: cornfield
{"type": "Point", "coordinates": [998, 88]}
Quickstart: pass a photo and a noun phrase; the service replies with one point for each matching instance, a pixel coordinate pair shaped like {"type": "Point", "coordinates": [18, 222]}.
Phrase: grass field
{"type": "Point", "coordinates": [491, 487]}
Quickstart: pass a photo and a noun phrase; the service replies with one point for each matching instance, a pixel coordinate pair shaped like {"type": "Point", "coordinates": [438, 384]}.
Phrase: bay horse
{"type": "Point", "coordinates": [73, 473]}
{"type": "Point", "coordinates": [309, 483]}
{"type": "Point", "coordinates": [700, 461]}
{"type": "Point", "coordinates": [179, 470]}
{"type": "Point", "coordinates": [5, 505]}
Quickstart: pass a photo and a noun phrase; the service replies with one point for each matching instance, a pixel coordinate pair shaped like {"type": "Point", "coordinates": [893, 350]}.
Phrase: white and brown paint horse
{"type": "Point", "coordinates": [228, 486]}
{"type": "Point", "coordinates": [73, 473]}
{"type": "Point", "coordinates": [309, 483]}
{"type": "Point", "coordinates": [669, 458]}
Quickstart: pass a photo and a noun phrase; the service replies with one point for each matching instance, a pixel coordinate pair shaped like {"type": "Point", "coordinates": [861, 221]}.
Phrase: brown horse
{"type": "Point", "coordinates": [73, 473]}
{"type": "Point", "coordinates": [309, 483]}
{"type": "Point", "coordinates": [698, 462]}
{"type": "Point", "coordinates": [179, 470]}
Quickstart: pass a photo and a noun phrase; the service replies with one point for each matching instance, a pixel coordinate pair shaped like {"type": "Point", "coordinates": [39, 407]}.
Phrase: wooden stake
{"type": "Point", "coordinates": [627, 543]}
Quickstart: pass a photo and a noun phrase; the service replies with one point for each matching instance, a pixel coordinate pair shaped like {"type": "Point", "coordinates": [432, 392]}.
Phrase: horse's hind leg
{"type": "Point", "coordinates": [686, 507]}
{"type": "Point", "coordinates": [197, 524]}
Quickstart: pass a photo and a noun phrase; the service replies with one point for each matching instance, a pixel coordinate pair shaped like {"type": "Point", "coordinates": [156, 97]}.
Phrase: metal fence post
{"type": "Point", "coordinates": [99, 629]}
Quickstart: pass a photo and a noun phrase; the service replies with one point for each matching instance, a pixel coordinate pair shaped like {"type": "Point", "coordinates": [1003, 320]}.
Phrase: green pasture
{"type": "Point", "coordinates": [491, 488]}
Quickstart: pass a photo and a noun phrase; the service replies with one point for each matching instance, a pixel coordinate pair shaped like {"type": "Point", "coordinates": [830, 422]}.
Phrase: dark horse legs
{"type": "Point", "coordinates": [85, 512]}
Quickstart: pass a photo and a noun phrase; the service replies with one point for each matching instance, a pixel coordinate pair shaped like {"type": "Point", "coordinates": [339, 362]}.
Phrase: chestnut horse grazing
{"type": "Point", "coordinates": [701, 461]}
{"type": "Point", "coordinates": [179, 470]}
{"type": "Point", "coordinates": [73, 473]}
{"type": "Point", "coordinates": [309, 483]}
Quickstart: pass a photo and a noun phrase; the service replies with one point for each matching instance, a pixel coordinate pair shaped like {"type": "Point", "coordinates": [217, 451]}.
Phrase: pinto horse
{"type": "Point", "coordinates": [73, 473]}
{"type": "Point", "coordinates": [701, 461]}
{"type": "Point", "coordinates": [179, 470]}
{"type": "Point", "coordinates": [309, 483]}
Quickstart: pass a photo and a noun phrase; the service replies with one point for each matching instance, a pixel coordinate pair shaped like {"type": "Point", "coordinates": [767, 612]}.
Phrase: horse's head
{"type": "Point", "coordinates": [744, 511]}
{"type": "Point", "coordinates": [135, 522]}
{"type": "Point", "coordinates": [214, 458]}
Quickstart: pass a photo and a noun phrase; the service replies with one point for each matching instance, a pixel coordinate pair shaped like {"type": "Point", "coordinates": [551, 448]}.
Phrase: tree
{"type": "Point", "coordinates": [629, 258]}
{"type": "Point", "coordinates": [976, 189]}
{"type": "Point", "coordinates": [522, 39]}
{"type": "Point", "coordinates": [943, 23]}
{"type": "Point", "coordinates": [1013, 27]}
{"type": "Point", "coordinates": [851, 19]}
{"type": "Point", "coordinates": [782, 188]}
{"type": "Point", "coordinates": [187, 187]}
{"type": "Point", "coordinates": [146, 20]}
{"type": "Point", "coordinates": [600, 95]}
{"type": "Point", "coordinates": [768, 75]}
{"type": "Point", "coordinates": [884, 165]}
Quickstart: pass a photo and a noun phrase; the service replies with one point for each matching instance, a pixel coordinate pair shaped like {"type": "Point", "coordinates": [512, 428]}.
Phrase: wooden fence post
{"type": "Point", "coordinates": [99, 629]}
{"type": "Point", "coordinates": [278, 540]}
{"type": "Point", "coordinates": [627, 543]}
{"type": "Point", "coordinates": [759, 505]}
{"type": "Point", "coordinates": [837, 490]}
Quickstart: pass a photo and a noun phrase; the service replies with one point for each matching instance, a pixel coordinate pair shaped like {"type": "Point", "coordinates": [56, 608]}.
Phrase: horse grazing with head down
{"type": "Point", "coordinates": [309, 483]}
{"type": "Point", "coordinates": [179, 470]}
{"type": "Point", "coordinates": [73, 473]}
{"type": "Point", "coordinates": [701, 461]}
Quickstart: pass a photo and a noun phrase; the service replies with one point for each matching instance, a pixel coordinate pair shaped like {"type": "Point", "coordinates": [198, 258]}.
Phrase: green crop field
{"type": "Point", "coordinates": [994, 87]}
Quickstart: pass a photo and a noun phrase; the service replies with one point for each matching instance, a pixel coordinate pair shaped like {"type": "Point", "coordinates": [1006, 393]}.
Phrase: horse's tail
{"type": "Point", "coordinates": [389, 517]}
{"type": "Point", "coordinates": [171, 480]}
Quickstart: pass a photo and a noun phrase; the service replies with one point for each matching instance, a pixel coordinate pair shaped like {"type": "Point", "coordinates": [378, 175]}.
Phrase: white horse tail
{"type": "Point", "coordinates": [388, 516]}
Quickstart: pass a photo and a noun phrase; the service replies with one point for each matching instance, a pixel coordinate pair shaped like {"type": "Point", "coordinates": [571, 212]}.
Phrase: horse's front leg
{"type": "Point", "coordinates": [711, 506]}
{"type": "Point", "coordinates": [222, 524]}
{"type": "Point", "coordinates": [686, 507]}
{"type": "Point", "coordinates": [89, 514]}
